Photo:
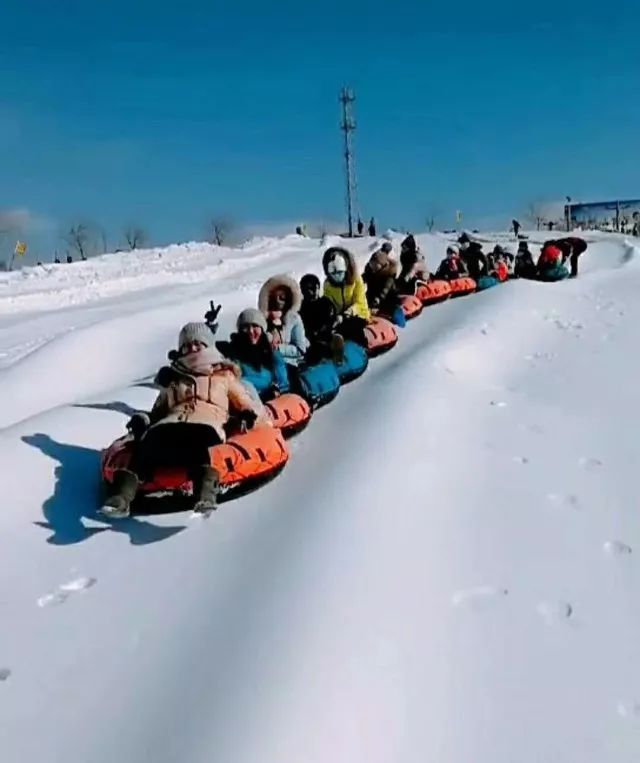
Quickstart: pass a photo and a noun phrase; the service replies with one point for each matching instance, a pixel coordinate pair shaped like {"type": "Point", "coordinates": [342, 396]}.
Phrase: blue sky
{"type": "Point", "coordinates": [169, 114]}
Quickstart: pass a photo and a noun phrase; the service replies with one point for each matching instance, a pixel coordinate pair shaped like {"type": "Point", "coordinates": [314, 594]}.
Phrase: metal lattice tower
{"type": "Point", "coordinates": [348, 126]}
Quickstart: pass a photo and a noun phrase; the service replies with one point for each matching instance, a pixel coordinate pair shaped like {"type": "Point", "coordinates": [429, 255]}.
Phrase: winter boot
{"type": "Point", "coordinates": [124, 489]}
{"type": "Point", "coordinates": [337, 349]}
{"type": "Point", "coordinates": [206, 487]}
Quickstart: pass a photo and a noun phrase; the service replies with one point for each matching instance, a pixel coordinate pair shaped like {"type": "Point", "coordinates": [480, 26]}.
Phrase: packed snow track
{"type": "Point", "coordinates": [446, 571]}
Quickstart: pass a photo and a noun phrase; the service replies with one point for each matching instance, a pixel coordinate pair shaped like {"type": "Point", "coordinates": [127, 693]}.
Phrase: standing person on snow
{"type": "Point", "coordinates": [571, 247]}
{"type": "Point", "coordinates": [379, 277]}
{"type": "Point", "coordinates": [250, 348]}
{"type": "Point", "coordinates": [360, 227]}
{"type": "Point", "coordinates": [201, 390]}
{"type": "Point", "coordinates": [452, 266]}
{"type": "Point", "coordinates": [345, 288]}
{"type": "Point", "coordinates": [279, 301]}
{"type": "Point", "coordinates": [413, 268]}
{"type": "Point", "coordinates": [319, 317]}
{"type": "Point", "coordinates": [372, 228]}
{"type": "Point", "coordinates": [516, 227]}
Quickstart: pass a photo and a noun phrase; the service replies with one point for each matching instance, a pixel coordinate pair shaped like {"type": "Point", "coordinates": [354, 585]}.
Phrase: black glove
{"type": "Point", "coordinates": [211, 316]}
{"type": "Point", "coordinates": [247, 419]}
{"type": "Point", "coordinates": [138, 424]}
{"type": "Point", "coordinates": [165, 376]}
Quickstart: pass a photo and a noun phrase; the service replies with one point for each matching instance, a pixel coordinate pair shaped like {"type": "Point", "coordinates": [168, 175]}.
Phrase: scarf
{"type": "Point", "coordinates": [198, 363]}
{"type": "Point", "coordinates": [274, 322]}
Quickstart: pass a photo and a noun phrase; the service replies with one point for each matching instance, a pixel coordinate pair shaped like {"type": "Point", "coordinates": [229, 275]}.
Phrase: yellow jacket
{"type": "Point", "coordinates": [348, 296]}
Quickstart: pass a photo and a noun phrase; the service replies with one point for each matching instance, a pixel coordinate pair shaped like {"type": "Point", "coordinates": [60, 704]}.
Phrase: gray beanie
{"type": "Point", "coordinates": [196, 332]}
{"type": "Point", "coordinates": [252, 317]}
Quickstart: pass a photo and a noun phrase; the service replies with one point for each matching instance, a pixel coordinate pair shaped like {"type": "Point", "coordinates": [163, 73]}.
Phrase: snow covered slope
{"type": "Point", "coordinates": [446, 571]}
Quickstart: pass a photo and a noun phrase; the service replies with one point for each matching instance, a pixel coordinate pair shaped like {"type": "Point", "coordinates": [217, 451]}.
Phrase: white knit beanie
{"type": "Point", "coordinates": [252, 317]}
{"type": "Point", "coordinates": [196, 332]}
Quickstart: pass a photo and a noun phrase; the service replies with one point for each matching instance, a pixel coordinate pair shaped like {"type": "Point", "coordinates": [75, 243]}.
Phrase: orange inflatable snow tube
{"type": "Point", "coordinates": [243, 460]}
{"type": "Point", "coordinates": [290, 413]}
{"type": "Point", "coordinates": [434, 291]}
{"type": "Point", "coordinates": [411, 306]}
{"type": "Point", "coordinates": [461, 286]}
{"type": "Point", "coordinates": [381, 336]}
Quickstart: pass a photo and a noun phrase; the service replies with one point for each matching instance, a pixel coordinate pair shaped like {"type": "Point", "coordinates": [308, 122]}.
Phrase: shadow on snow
{"type": "Point", "coordinates": [76, 496]}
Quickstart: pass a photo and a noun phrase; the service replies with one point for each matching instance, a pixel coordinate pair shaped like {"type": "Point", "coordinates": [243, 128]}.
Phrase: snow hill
{"type": "Point", "coordinates": [446, 571]}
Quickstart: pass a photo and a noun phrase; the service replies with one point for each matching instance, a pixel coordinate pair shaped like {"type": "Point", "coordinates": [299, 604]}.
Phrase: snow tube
{"type": "Point", "coordinates": [411, 306]}
{"type": "Point", "coordinates": [486, 282]}
{"type": "Point", "coordinates": [244, 461]}
{"type": "Point", "coordinates": [381, 336]}
{"type": "Point", "coordinates": [397, 318]}
{"type": "Point", "coordinates": [355, 362]}
{"type": "Point", "coordinates": [318, 384]}
{"type": "Point", "coordinates": [263, 379]}
{"type": "Point", "coordinates": [556, 273]}
{"type": "Point", "coordinates": [461, 286]}
{"type": "Point", "coordinates": [434, 291]}
{"type": "Point", "coordinates": [290, 413]}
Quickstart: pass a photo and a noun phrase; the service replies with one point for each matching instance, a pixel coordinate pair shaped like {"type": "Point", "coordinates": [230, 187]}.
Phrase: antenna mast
{"type": "Point", "coordinates": [348, 126]}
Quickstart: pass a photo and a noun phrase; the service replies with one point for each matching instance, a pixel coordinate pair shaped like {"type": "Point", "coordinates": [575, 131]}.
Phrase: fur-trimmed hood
{"type": "Point", "coordinates": [294, 301]}
{"type": "Point", "coordinates": [352, 270]}
{"type": "Point", "coordinates": [380, 265]}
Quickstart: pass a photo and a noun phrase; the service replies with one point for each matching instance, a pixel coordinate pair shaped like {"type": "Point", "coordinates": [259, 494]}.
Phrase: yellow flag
{"type": "Point", "coordinates": [21, 248]}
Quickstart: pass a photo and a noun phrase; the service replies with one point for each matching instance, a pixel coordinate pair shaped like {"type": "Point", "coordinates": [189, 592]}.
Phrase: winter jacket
{"type": "Point", "coordinates": [550, 257]}
{"type": "Point", "coordinates": [260, 364]}
{"type": "Point", "coordinates": [380, 279]}
{"type": "Point", "coordinates": [318, 317]}
{"type": "Point", "coordinates": [349, 295]}
{"type": "Point", "coordinates": [570, 245]}
{"type": "Point", "coordinates": [525, 267]}
{"type": "Point", "coordinates": [293, 340]}
{"type": "Point", "coordinates": [451, 268]}
{"type": "Point", "coordinates": [205, 399]}
{"type": "Point", "coordinates": [475, 260]}
{"type": "Point", "coordinates": [413, 267]}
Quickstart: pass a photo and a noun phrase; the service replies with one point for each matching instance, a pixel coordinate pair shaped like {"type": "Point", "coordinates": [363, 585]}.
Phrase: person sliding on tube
{"type": "Point", "coordinates": [201, 390]}
{"type": "Point", "coordinates": [452, 266]}
{"type": "Point", "coordinates": [380, 279]}
{"type": "Point", "coordinates": [250, 347]}
{"type": "Point", "coordinates": [413, 268]}
{"type": "Point", "coordinates": [319, 317]}
{"type": "Point", "coordinates": [550, 258]}
{"type": "Point", "coordinates": [473, 256]}
{"type": "Point", "coordinates": [525, 267]}
{"type": "Point", "coordinates": [279, 301]}
{"type": "Point", "coordinates": [345, 288]}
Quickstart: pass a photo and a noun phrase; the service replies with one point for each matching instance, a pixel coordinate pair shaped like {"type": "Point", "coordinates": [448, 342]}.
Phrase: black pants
{"type": "Point", "coordinates": [353, 329]}
{"type": "Point", "coordinates": [573, 260]}
{"type": "Point", "coordinates": [173, 445]}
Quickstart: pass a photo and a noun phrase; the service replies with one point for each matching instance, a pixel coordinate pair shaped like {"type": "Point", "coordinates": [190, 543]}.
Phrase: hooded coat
{"type": "Point", "coordinates": [413, 267]}
{"type": "Point", "coordinates": [289, 325]}
{"type": "Point", "coordinates": [350, 295]}
{"type": "Point", "coordinates": [380, 279]}
{"type": "Point", "coordinates": [475, 259]}
{"type": "Point", "coordinates": [207, 397]}
{"type": "Point", "coordinates": [451, 268]}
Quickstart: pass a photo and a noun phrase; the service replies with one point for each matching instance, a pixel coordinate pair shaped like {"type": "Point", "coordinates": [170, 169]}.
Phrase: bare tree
{"type": "Point", "coordinates": [80, 239]}
{"type": "Point", "coordinates": [219, 230]}
{"type": "Point", "coordinates": [544, 212]}
{"type": "Point", "coordinates": [135, 237]}
{"type": "Point", "coordinates": [431, 222]}
{"type": "Point", "coordinates": [535, 214]}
